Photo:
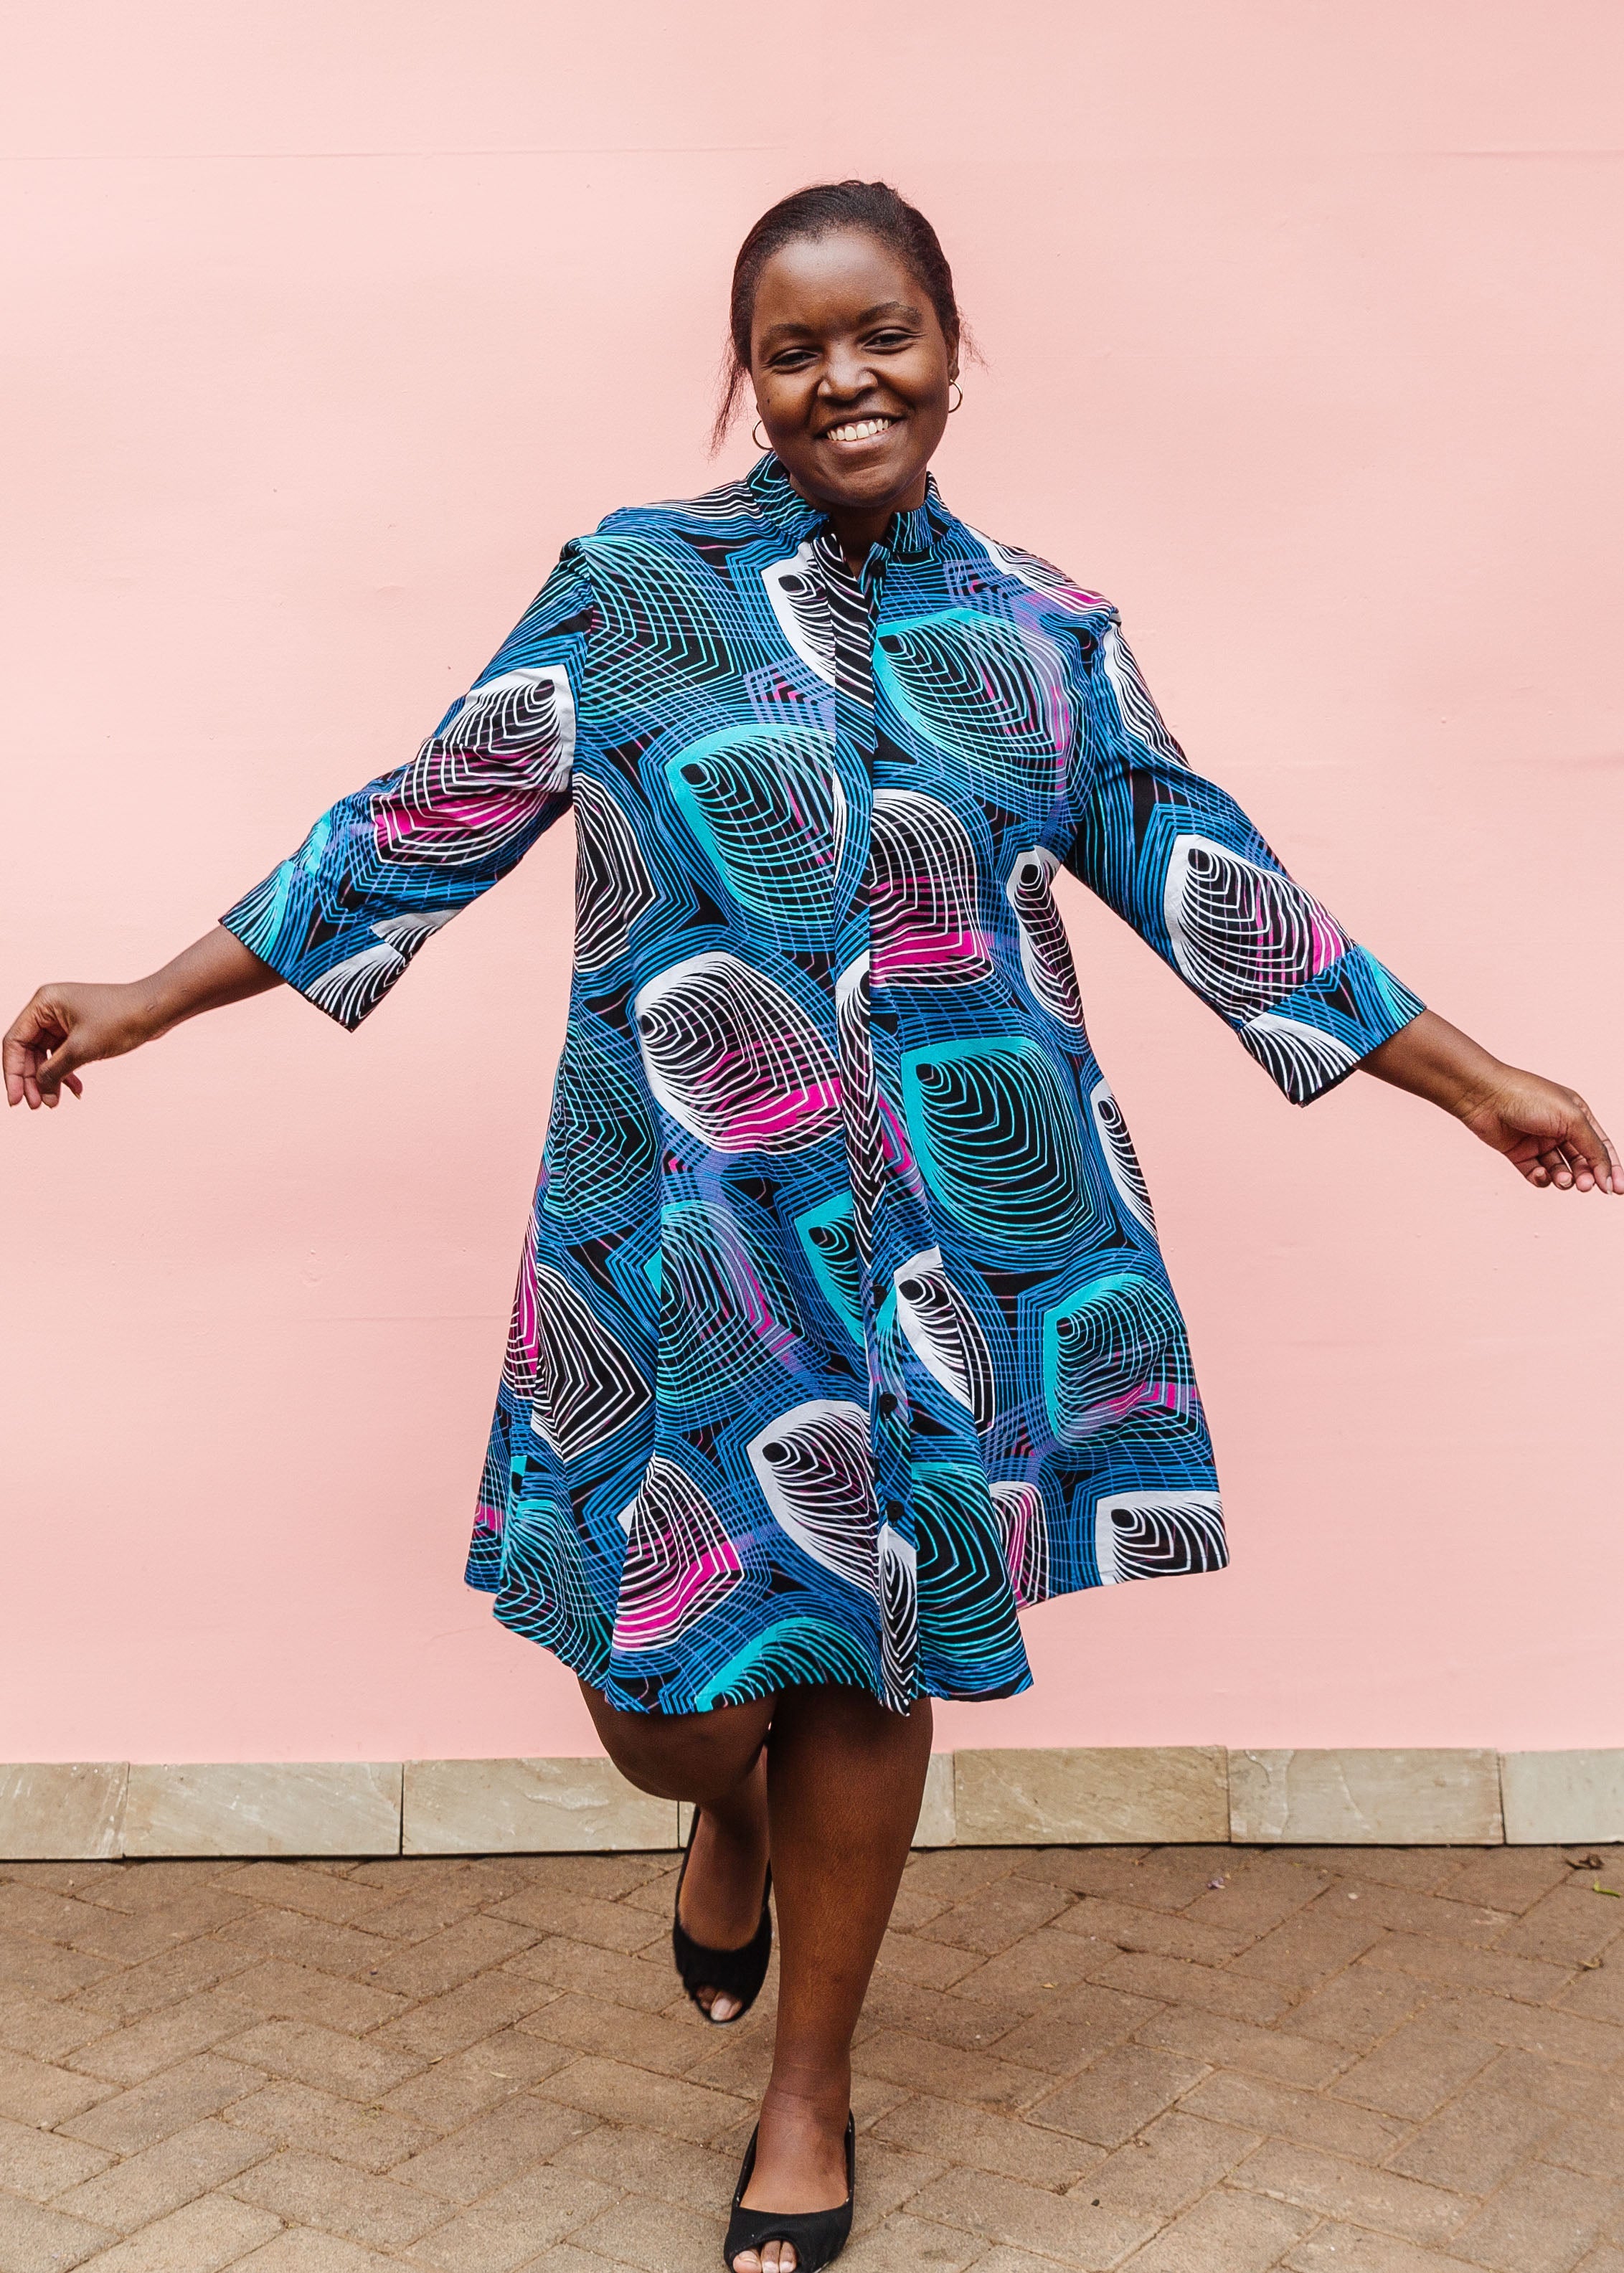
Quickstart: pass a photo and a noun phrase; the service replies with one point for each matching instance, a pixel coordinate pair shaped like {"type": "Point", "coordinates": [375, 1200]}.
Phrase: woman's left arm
{"type": "Point", "coordinates": [1548, 1133]}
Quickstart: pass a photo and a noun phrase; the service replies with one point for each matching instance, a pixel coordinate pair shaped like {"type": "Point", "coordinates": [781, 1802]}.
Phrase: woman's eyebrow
{"type": "Point", "coordinates": [869, 315]}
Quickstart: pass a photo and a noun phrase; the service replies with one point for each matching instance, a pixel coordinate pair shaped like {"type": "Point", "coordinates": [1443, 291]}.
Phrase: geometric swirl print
{"type": "Point", "coordinates": [842, 1337]}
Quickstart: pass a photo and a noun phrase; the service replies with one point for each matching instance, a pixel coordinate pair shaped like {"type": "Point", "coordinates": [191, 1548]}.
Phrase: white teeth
{"type": "Point", "coordinates": [860, 430]}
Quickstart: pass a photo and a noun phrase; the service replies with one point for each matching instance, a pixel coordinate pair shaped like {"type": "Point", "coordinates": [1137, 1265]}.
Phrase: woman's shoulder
{"type": "Point", "coordinates": [1055, 586]}
{"type": "Point", "coordinates": [673, 519]}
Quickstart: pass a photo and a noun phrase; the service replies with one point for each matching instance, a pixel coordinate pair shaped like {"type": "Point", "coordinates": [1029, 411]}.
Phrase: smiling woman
{"type": "Point", "coordinates": [842, 1333]}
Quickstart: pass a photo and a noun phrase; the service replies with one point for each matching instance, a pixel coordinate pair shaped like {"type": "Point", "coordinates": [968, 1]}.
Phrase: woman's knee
{"type": "Point", "coordinates": [693, 1756]}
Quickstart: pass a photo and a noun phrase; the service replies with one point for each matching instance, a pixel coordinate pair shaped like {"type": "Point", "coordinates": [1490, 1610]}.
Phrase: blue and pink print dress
{"type": "Point", "coordinates": [842, 1333]}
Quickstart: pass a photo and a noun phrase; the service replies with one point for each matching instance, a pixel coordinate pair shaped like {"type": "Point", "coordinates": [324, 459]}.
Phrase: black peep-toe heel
{"type": "Point", "coordinates": [735, 1972]}
{"type": "Point", "coordinates": [816, 2236]}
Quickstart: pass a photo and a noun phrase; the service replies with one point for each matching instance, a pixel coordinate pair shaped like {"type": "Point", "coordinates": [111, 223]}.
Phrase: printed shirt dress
{"type": "Point", "coordinates": [842, 1332]}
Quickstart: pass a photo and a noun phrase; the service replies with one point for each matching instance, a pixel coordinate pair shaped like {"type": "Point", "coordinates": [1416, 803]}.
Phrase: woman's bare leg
{"type": "Point", "coordinates": [844, 1779]}
{"type": "Point", "coordinates": [717, 1760]}
{"type": "Point", "coordinates": [843, 1784]}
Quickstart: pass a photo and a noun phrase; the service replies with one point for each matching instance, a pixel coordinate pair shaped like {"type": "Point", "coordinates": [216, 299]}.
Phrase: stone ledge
{"type": "Point", "coordinates": [1365, 1798]}
{"type": "Point", "coordinates": [283, 1807]}
{"type": "Point", "coordinates": [529, 1807]}
{"type": "Point", "coordinates": [1156, 1794]}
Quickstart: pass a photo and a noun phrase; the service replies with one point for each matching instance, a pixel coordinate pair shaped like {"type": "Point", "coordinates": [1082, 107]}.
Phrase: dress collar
{"type": "Point", "coordinates": [911, 535]}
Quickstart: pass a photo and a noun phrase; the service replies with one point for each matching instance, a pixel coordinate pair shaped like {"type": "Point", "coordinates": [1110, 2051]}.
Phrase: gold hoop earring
{"type": "Point", "coordinates": [759, 439]}
{"type": "Point", "coordinates": [960, 404]}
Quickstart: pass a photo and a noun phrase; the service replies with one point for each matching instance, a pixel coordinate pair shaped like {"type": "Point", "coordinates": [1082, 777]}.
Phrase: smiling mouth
{"type": "Point", "coordinates": [861, 429]}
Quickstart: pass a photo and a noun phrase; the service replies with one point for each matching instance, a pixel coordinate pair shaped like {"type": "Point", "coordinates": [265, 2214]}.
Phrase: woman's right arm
{"type": "Point", "coordinates": [71, 1024]}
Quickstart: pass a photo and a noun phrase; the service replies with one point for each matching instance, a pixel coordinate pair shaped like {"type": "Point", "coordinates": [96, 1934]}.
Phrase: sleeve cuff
{"type": "Point", "coordinates": [1312, 1039]}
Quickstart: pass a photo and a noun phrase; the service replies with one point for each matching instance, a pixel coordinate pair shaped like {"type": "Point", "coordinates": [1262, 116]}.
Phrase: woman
{"type": "Point", "coordinates": [842, 1332]}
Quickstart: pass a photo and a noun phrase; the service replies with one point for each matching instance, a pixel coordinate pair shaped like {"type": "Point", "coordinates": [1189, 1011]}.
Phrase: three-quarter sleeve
{"type": "Point", "coordinates": [384, 868]}
{"type": "Point", "coordinates": [1176, 857]}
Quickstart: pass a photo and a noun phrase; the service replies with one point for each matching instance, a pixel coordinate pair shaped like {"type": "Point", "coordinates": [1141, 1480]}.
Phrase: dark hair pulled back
{"type": "Point", "coordinates": [873, 206]}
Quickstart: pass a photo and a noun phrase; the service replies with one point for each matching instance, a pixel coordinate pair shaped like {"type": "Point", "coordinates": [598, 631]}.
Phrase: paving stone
{"type": "Point", "coordinates": [1118, 2096]}
{"type": "Point", "coordinates": [1361, 1900]}
{"type": "Point", "coordinates": [1424, 1869]}
{"type": "Point", "coordinates": [1414, 2071]}
{"type": "Point", "coordinates": [1510, 1878]}
{"type": "Point", "coordinates": [995, 1915]}
{"type": "Point", "coordinates": [293, 2115]}
{"type": "Point", "coordinates": [45, 2029]}
{"type": "Point", "coordinates": [1167, 2166]}
{"type": "Point", "coordinates": [954, 1873]}
{"type": "Point", "coordinates": [165, 2103]}
{"type": "Point", "coordinates": [307, 2190]}
{"type": "Point", "coordinates": [1067, 2226]}
{"type": "Point", "coordinates": [1599, 1995]}
{"type": "Point", "coordinates": [496, 2146]}
{"type": "Point", "coordinates": [212, 2231]}
{"type": "Point", "coordinates": [921, 2066]}
{"type": "Point", "coordinates": [1524, 1978]}
{"type": "Point", "coordinates": [36, 2164]}
{"type": "Point", "coordinates": [464, 2016]}
{"type": "Point", "coordinates": [1569, 1926]}
{"type": "Point", "coordinates": [906, 2239]}
{"type": "Point", "coordinates": [130, 1936]}
{"type": "Point", "coordinates": [280, 1991]}
{"type": "Point", "coordinates": [298, 2250]}
{"type": "Point", "coordinates": [316, 1943]}
{"type": "Point", "coordinates": [1253, 1899]}
{"type": "Point", "coordinates": [136, 1886]}
{"type": "Point", "coordinates": [1357, 2007]}
{"type": "Point", "coordinates": [987, 2141]}
{"type": "Point", "coordinates": [1159, 1934]}
{"type": "Point", "coordinates": [163, 2177]}
{"type": "Point", "coordinates": [414, 2072]}
{"type": "Point", "coordinates": [630, 2095]}
{"type": "Point", "coordinates": [1557, 2083]}
{"type": "Point", "coordinates": [34, 2239]}
{"type": "Point", "coordinates": [1542, 2221]}
{"type": "Point", "coordinates": [1596, 2148]}
{"type": "Point", "coordinates": [446, 2096]}
{"type": "Point", "coordinates": [317, 1893]}
{"type": "Point", "coordinates": [1354, 2249]}
{"type": "Point", "coordinates": [582, 2024]}
{"type": "Point", "coordinates": [1038, 1964]}
{"type": "Point", "coordinates": [1200, 1986]}
{"type": "Point", "coordinates": [1235, 2044]}
{"type": "Point", "coordinates": [1071, 2031]}
{"type": "Point", "coordinates": [50, 1971]}
{"type": "Point", "coordinates": [546, 1909]}
{"type": "Point", "coordinates": [1225, 2233]}
{"type": "Point", "coordinates": [510, 2226]}
{"type": "Point", "coordinates": [656, 2236]}
{"type": "Point", "coordinates": [583, 1967]}
{"type": "Point", "coordinates": [163, 1980]}
{"type": "Point", "coordinates": [1310, 1947]}
{"type": "Point", "coordinates": [1276, 2111]}
{"type": "Point", "coordinates": [427, 1969]}
{"type": "Point", "coordinates": [934, 1965]}
{"type": "Point", "coordinates": [355, 2067]}
{"type": "Point", "coordinates": [36, 2091]}
{"type": "Point", "coordinates": [131, 2054]}
{"type": "Point", "coordinates": [1558, 2035]}
{"type": "Point", "coordinates": [1338, 2188]}
{"type": "Point", "coordinates": [1474, 2142]}
{"type": "Point", "coordinates": [647, 2162]}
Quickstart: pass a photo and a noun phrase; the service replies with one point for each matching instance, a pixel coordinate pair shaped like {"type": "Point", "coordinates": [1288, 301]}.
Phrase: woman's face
{"type": "Point", "coordinates": [850, 372]}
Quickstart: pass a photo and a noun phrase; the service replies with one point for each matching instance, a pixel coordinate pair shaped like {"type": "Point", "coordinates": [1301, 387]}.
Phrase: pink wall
{"type": "Point", "coordinates": [329, 321]}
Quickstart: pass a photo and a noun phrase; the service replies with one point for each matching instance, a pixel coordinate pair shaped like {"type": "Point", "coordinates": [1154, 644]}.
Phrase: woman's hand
{"type": "Point", "coordinates": [1547, 1133]}
{"type": "Point", "coordinates": [72, 1025]}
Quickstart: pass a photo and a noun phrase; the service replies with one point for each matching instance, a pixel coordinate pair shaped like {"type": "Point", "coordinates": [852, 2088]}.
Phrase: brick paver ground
{"type": "Point", "coordinates": [1177, 2060]}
